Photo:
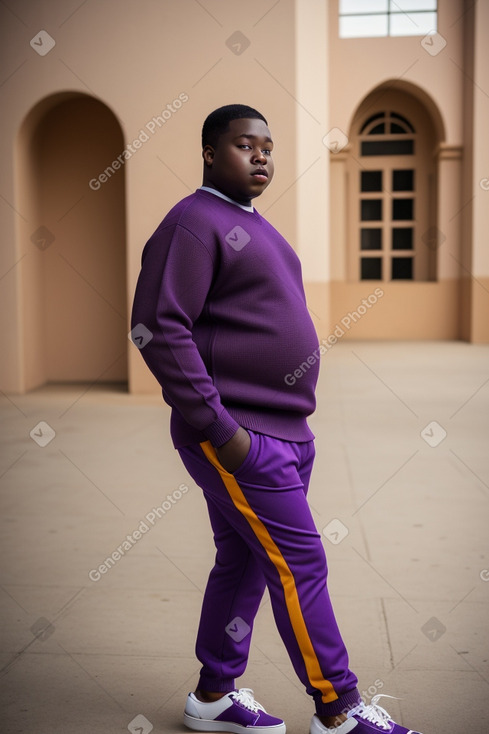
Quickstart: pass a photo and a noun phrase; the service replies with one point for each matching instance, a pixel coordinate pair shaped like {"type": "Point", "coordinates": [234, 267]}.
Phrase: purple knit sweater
{"type": "Point", "coordinates": [221, 292]}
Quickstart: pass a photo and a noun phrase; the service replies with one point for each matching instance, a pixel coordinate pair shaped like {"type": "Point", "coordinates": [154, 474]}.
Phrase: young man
{"type": "Point", "coordinates": [221, 293]}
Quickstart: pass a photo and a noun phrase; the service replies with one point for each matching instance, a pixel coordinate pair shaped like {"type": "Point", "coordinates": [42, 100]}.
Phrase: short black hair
{"type": "Point", "coordinates": [218, 121]}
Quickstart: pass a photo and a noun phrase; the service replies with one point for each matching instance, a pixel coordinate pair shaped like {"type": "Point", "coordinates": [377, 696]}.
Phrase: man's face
{"type": "Point", "coordinates": [241, 165]}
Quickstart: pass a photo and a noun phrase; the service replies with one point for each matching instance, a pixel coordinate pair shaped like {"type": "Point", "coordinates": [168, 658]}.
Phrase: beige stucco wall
{"type": "Point", "coordinates": [479, 210]}
{"type": "Point", "coordinates": [284, 58]}
{"type": "Point", "coordinates": [357, 67]}
{"type": "Point", "coordinates": [137, 60]}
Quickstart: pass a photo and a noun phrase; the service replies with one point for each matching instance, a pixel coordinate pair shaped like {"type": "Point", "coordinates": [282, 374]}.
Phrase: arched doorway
{"type": "Point", "coordinates": [73, 280]}
{"type": "Point", "coordinates": [394, 191]}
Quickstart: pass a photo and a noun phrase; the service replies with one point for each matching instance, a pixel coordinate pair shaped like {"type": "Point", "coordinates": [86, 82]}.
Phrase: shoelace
{"type": "Point", "coordinates": [246, 698]}
{"type": "Point", "coordinates": [373, 712]}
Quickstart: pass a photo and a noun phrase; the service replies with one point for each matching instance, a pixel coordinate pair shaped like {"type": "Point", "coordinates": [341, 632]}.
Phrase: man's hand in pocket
{"type": "Point", "coordinates": [232, 453]}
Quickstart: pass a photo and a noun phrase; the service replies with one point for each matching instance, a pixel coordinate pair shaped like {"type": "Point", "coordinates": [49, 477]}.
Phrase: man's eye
{"type": "Point", "coordinates": [267, 152]}
{"type": "Point", "coordinates": [245, 146]}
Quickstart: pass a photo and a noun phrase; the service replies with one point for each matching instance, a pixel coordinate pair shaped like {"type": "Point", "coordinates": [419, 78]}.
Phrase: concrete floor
{"type": "Point", "coordinates": [404, 510]}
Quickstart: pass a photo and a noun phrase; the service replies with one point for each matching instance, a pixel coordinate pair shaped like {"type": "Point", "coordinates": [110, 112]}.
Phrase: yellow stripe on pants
{"type": "Point", "coordinates": [311, 662]}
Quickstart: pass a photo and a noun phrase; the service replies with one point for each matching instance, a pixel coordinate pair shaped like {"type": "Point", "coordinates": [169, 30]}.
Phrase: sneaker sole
{"type": "Point", "coordinates": [210, 725]}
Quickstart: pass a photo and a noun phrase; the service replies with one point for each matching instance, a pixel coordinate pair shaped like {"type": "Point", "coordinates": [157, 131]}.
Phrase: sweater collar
{"type": "Point", "coordinates": [226, 198]}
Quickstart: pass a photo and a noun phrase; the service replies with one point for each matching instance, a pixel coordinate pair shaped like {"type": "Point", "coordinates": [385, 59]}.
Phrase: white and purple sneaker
{"type": "Point", "coordinates": [236, 712]}
{"type": "Point", "coordinates": [364, 719]}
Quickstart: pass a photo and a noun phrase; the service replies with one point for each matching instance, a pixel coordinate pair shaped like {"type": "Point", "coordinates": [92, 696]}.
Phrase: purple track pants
{"type": "Point", "coordinates": [265, 536]}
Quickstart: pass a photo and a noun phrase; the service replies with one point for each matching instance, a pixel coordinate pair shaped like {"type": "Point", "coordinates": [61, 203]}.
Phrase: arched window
{"type": "Point", "coordinates": [391, 190]}
{"type": "Point", "coordinates": [388, 198]}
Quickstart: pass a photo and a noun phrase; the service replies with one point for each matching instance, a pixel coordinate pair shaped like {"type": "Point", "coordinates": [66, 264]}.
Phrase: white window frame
{"type": "Point", "coordinates": [384, 12]}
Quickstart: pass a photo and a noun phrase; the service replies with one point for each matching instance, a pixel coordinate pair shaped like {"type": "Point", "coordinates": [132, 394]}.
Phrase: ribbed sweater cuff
{"type": "Point", "coordinates": [221, 430]}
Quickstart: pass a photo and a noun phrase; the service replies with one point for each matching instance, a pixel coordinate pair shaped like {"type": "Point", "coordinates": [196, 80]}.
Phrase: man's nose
{"type": "Point", "coordinates": [259, 157]}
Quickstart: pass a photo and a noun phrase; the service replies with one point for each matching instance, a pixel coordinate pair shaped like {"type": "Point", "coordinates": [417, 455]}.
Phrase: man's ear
{"type": "Point", "coordinates": [208, 154]}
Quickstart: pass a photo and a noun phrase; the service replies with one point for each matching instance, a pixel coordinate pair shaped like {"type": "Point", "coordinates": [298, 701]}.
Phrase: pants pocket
{"type": "Point", "coordinates": [250, 456]}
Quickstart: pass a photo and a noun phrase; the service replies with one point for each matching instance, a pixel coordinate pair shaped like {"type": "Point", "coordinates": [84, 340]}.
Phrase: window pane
{"type": "Point", "coordinates": [403, 180]}
{"type": "Point", "coordinates": [371, 210]}
{"type": "Point", "coordinates": [407, 5]}
{"type": "Point", "coordinates": [412, 24]}
{"type": "Point", "coordinates": [397, 129]}
{"type": "Point", "coordinates": [387, 147]}
{"type": "Point", "coordinates": [402, 268]}
{"type": "Point", "coordinates": [363, 6]}
{"type": "Point", "coordinates": [402, 209]}
{"type": "Point", "coordinates": [402, 238]}
{"type": "Point", "coordinates": [371, 239]}
{"type": "Point", "coordinates": [397, 116]}
{"type": "Point", "coordinates": [371, 268]}
{"type": "Point", "coordinates": [361, 26]}
{"type": "Point", "coordinates": [371, 181]}
{"type": "Point", "coordinates": [377, 116]}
